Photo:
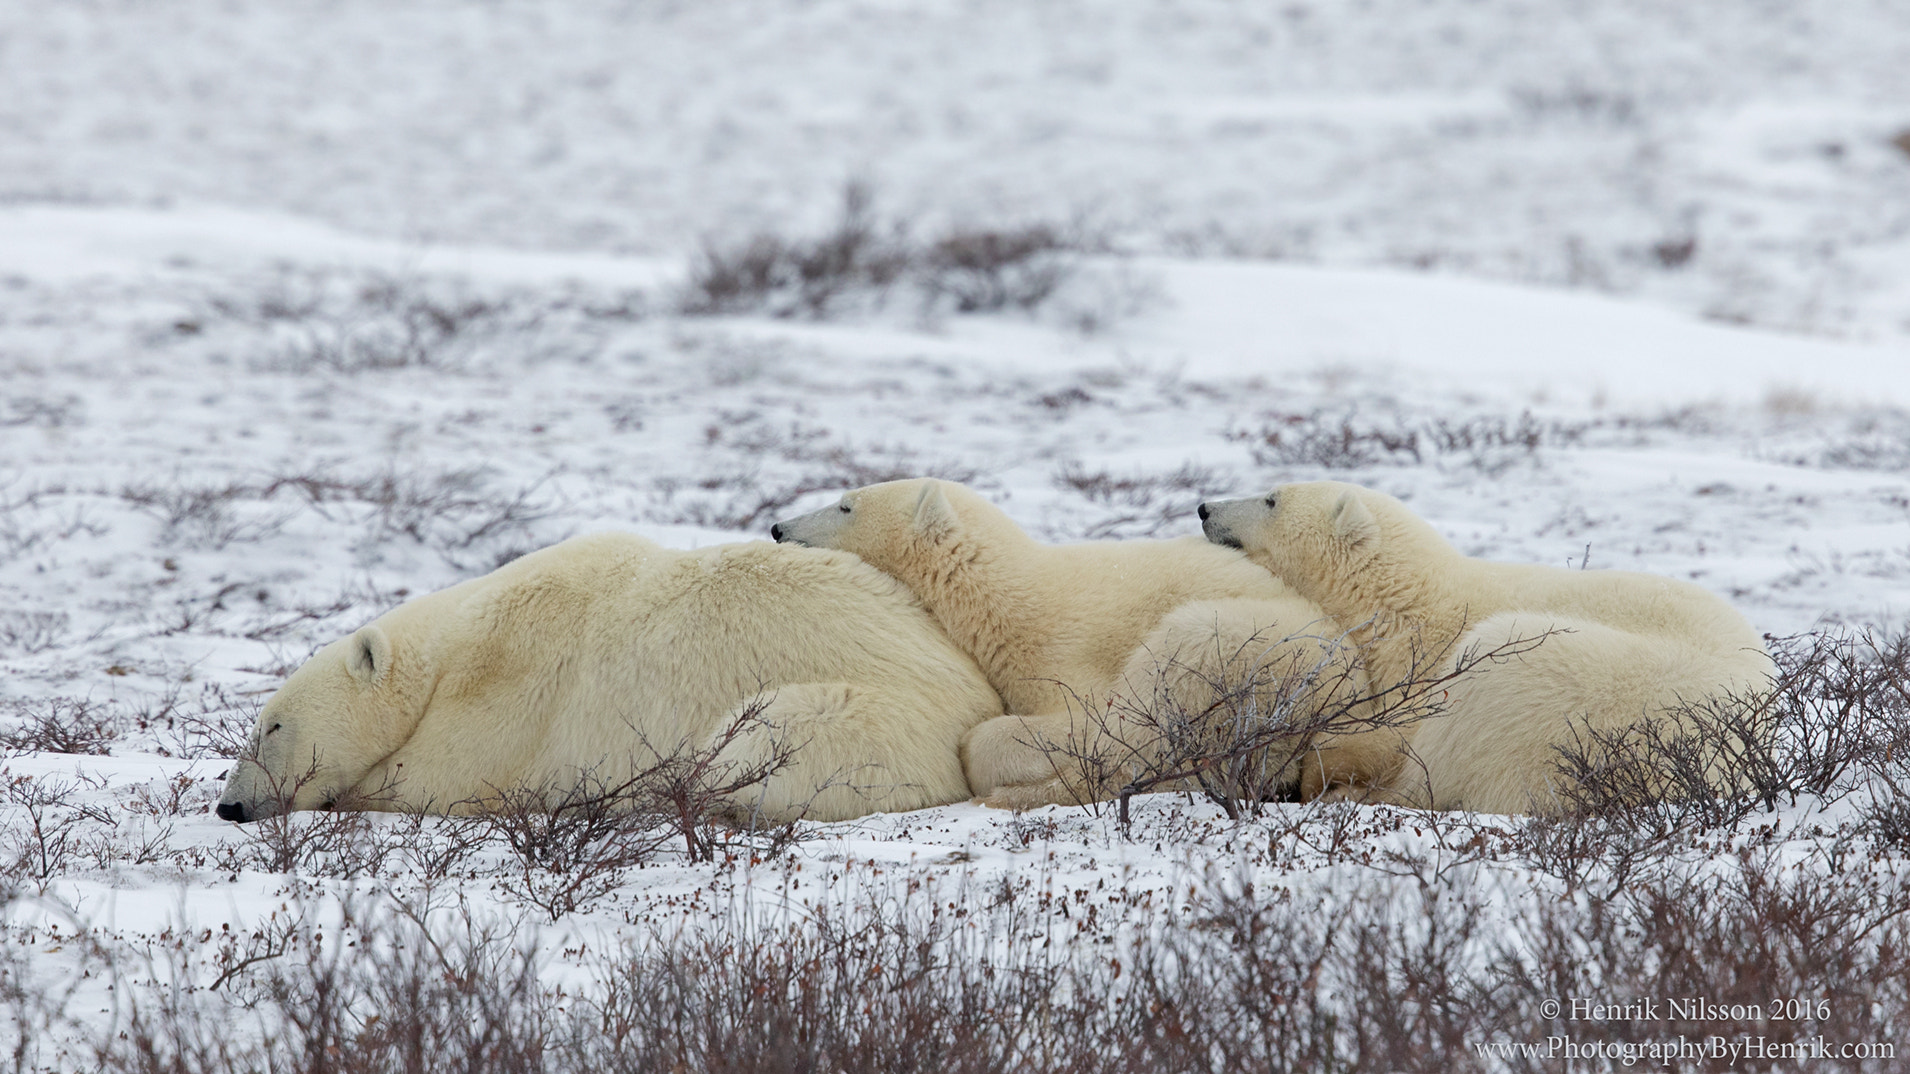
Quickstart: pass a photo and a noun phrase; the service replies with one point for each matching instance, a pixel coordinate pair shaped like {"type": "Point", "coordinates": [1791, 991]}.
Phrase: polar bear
{"type": "Point", "coordinates": [596, 657]}
{"type": "Point", "coordinates": [1604, 650]}
{"type": "Point", "coordinates": [1093, 646]}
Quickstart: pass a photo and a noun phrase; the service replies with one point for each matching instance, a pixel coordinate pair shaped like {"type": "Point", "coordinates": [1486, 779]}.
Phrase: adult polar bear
{"type": "Point", "coordinates": [597, 655]}
{"type": "Point", "coordinates": [1079, 639]}
{"type": "Point", "coordinates": [1613, 648]}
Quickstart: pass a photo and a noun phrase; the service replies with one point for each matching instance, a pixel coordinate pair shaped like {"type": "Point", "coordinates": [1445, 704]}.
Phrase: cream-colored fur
{"type": "Point", "coordinates": [594, 657]}
{"type": "Point", "coordinates": [1612, 648]}
{"type": "Point", "coordinates": [1075, 637]}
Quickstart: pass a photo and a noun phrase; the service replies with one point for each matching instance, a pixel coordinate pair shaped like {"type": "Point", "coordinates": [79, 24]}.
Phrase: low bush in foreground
{"type": "Point", "coordinates": [1746, 952]}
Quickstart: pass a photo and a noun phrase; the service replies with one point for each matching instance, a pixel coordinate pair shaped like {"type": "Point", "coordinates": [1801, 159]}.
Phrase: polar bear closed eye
{"type": "Point", "coordinates": [599, 655]}
{"type": "Point", "coordinates": [1614, 648]}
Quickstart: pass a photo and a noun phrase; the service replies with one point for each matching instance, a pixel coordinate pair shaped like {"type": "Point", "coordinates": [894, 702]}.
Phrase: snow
{"type": "Point", "coordinates": [201, 480]}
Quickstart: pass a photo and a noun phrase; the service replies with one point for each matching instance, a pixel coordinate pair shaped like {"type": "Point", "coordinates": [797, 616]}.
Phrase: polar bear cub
{"type": "Point", "coordinates": [1078, 639]}
{"type": "Point", "coordinates": [1601, 649]}
{"type": "Point", "coordinates": [596, 657]}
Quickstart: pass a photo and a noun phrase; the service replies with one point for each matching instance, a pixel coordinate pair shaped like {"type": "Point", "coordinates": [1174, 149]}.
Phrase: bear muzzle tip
{"type": "Point", "coordinates": [232, 811]}
{"type": "Point", "coordinates": [1217, 531]}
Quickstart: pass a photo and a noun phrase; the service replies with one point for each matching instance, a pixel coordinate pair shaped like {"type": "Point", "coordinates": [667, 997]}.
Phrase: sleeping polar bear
{"type": "Point", "coordinates": [1597, 650]}
{"type": "Point", "coordinates": [596, 657]}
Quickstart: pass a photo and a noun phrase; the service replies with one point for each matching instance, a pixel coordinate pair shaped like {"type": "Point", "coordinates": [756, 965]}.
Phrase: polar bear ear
{"type": "Point", "coordinates": [934, 515]}
{"type": "Point", "coordinates": [1353, 522]}
{"type": "Point", "coordinates": [368, 656]}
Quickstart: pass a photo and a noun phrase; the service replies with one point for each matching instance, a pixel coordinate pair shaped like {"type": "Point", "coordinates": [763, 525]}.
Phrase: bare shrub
{"type": "Point", "coordinates": [1315, 440]}
{"type": "Point", "coordinates": [860, 260]}
{"type": "Point", "coordinates": [53, 824]}
{"type": "Point", "coordinates": [175, 797]}
{"type": "Point", "coordinates": [788, 462]}
{"type": "Point", "coordinates": [61, 725]}
{"type": "Point", "coordinates": [801, 277]}
{"type": "Point", "coordinates": [1886, 817]}
{"type": "Point", "coordinates": [1745, 948]}
{"type": "Point", "coordinates": [573, 845]}
{"type": "Point", "coordinates": [338, 840]}
{"type": "Point", "coordinates": [385, 991]}
{"type": "Point", "coordinates": [1599, 854]}
{"type": "Point", "coordinates": [1236, 729]}
{"type": "Point", "coordinates": [1834, 715]}
{"type": "Point", "coordinates": [42, 411]}
{"type": "Point", "coordinates": [28, 523]}
{"type": "Point", "coordinates": [453, 512]}
{"type": "Point", "coordinates": [216, 723]}
{"type": "Point", "coordinates": [209, 517]}
{"type": "Point", "coordinates": [1142, 504]}
{"type": "Point", "coordinates": [1367, 976]}
{"type": "Point", "coordinates": [979, 271]}
{"type": "Point", "coordinates": [1344, 441]}
{"type": "Point", "coordinates": [1676, 251]}
{"type": "Point", "coordinates": [357, 322]}
{"type": "Point", "coordinates": [28, 632]}
{"type": "Point", "coordinates": [1880, 441]}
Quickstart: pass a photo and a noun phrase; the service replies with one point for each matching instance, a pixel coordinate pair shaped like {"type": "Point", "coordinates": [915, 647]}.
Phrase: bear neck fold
{"type": "Point", "coordinates": [1406, 621]}
{"type": "Point", "coordinates": [987, 596]}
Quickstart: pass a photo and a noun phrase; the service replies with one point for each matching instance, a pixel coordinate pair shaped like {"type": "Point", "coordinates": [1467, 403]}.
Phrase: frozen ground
{"type": "Point", "coordinates": [307, 308]}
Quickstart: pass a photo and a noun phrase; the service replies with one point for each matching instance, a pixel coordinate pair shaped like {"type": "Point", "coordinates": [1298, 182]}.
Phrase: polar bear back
{"type": "Point", "coordinates": [1646, 604]}
{"type": "Point", "coordinates": [615, 635]}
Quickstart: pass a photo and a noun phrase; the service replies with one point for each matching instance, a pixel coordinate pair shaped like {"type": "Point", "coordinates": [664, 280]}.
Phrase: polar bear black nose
{"type": "Point", "coordinates": [1204, 512]}
{"type": "Point", "coordinates": [231, 811]}
{"type": "Point", "coordinates": [776, 532]}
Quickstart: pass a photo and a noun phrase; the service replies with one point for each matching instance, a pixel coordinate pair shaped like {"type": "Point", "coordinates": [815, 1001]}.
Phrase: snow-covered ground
{"type": "Point", "coordinates": [1732, 159]}
{"type": "Point", "coordinates": [305, 308]}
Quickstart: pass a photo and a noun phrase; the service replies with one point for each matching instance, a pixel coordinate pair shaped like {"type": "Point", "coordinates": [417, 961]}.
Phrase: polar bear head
{"type": "Point", "coordinates": [1339, 545]}
{"type": "Point", "coordinates": [900, 527]}
{"type": "Point", "coordinates": [347, 708]}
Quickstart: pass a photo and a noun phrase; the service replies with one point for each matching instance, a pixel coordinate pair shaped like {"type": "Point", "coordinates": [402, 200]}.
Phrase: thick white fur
{"type": "Point", "coordinates": [1074, 635]}
{"type": "Point", "coordinates": [1628, 647]}
{"type": "Point", "coordinates": [597, 655]}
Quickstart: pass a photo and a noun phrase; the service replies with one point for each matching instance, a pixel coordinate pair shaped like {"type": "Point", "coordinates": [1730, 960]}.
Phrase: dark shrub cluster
{"type": "Point", "coordinates": [860, 261]}
{"type": "Point", "coordinates": [1347, 441]}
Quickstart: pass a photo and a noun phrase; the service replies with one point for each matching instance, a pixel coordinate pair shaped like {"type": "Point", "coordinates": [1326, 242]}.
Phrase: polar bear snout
{"type": "Point", "coordinates": [232, 811]}
{"type": "Point", "coordinates": [1214, 522]}
{"type": "Point", "coordinates": [817, 529]}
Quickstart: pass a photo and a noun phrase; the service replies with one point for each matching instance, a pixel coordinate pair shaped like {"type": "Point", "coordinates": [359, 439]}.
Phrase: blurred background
{"type": "Point", "coordinates": [1747, 160]}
